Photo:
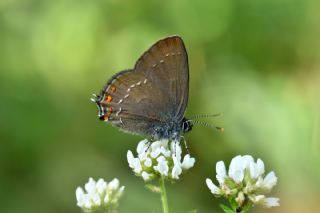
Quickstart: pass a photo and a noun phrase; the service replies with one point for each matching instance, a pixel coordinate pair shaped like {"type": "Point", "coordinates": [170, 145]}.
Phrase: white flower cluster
{"type": "Point", "coordinates": [158, 159]}
{"type": "Point", "coordinates": [245, 182]}
{"type": "Point", "coordinates": [99, 196]}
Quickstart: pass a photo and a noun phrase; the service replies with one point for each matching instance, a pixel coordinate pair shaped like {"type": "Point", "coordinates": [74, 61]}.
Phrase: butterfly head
{"type": "Point", "coordinates": [186, 125]}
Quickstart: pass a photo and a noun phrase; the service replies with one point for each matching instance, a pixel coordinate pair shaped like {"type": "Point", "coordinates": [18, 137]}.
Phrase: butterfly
{"type": "Point", "coordinates": [150, 99]}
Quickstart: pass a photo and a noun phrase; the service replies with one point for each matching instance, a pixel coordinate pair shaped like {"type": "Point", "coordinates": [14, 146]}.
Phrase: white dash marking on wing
{"type": "Point", "coordinates": [117, 114]}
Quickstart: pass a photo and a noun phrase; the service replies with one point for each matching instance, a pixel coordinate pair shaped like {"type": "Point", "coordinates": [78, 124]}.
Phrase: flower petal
{"type": "Point", "coordinates": [142, 146]}
{"type": "Point", "coordinates": [266, 202]}
{"type": "Point", "coordinates": [260, 165]}
{"type": "Point", "coordinates": [165, 151]}
{"type": "Point", "coordinates": [246, 161]}
{"type": "Point", "coordinates": [114, 184]}
{"type": "Point", "coordinates": [176, 171]}
{"type": "Point", "coordinates": [213, 188]}
{"type": "Point", "coordinates": [130, 159]}
{"type": "Point", "coordinates": [270, 180]}
{"type": "Point", "coordinates": [237, 175]}
{"type": "Point", "coordinates": [236, 164]}
{"type": "Point", "coordinates": [271, 202]}
{"type": "Point", "coordinates": [257, 199]}
{"type": "Point", "coordinates": [155, 153]}
{"type": "Point", "coordinates": [101, 186]}
{"type": "Point", "coordinates": [79, 194]}
{"type": "Point", "coordinates": [221, 172]}
{"type": "Point", "coordinates": [96, 199]}
{"type": "Point", "coordinates": [187, 162]}
{"type": "Point", "coordinates": [137, 166]}
{"type": "Point", "coordinates": [148, 162]}
{"type": "Point", "coordinates": [121, 190]}
{"type": "Point", "coordinates": [86, 201]}
{"type": "Point", "coordinates": [162, 166]}
{"type": "Point", "coordinates": [253, 169]}
{"type": "Point", "coordinates": [90, 186]}
{"type": "Point", "coordinates": [145, 176]}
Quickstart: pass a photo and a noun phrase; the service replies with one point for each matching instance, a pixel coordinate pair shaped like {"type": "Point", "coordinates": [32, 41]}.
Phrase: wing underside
{"type": "Point", "coordinates": [154, 92]}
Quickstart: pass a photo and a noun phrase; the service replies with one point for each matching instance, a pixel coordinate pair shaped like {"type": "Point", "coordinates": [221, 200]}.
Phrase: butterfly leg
{"type": "Point", "coordinates": [175, 147]}
{"type": "Point", "coordinates": [185, 144]}
{"type": "Point", "coordinates": [148, 144]}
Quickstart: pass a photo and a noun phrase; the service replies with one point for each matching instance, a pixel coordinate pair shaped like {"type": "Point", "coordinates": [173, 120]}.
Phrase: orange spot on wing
{"type": "Point", "coordinates": [113, 88]}
{"type": "Point", "coordinates": [108, 98]}
{"type": "Point", "coordinates": [107, 115]}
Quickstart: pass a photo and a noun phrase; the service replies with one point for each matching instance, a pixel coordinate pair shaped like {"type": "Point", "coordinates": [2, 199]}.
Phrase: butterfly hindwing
{"type": "Point", "coordinates": [128, 105]}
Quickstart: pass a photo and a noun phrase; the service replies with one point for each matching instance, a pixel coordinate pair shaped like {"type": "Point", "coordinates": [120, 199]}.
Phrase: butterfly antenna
{"type": "Point", "coordinates": [206, 116]}
{"type": "Point", "coordinates": [94, 98]}
{"type": "Point", "coordinates": [196, 122]}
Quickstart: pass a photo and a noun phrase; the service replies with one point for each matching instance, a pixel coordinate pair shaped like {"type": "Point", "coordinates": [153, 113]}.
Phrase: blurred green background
{"type": "Point", "coordinates": [256, 61]}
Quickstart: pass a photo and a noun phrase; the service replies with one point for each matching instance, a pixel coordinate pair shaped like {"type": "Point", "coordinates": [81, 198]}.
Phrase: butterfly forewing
{"type": "Point", "coordinates": [166, 66]}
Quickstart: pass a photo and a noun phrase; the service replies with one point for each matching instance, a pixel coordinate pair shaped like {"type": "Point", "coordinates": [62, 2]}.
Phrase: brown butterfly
{"type": "Point", "coordinates": [151, 98]}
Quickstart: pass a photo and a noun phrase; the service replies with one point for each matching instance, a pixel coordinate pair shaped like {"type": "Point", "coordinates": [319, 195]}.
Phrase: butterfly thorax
{"type": "Point", "coordinates": [171, 130]}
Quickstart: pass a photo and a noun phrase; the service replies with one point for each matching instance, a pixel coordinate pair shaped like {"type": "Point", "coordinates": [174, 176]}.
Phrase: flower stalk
{"type": "Point", "coordinates": [163, 193]}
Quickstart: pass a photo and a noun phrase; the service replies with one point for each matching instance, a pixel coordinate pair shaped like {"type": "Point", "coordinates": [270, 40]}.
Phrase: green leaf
{"type": "Point", "coordinates": [226, 209]}
{"type": "Point", "coordinates": [246, 208]}
{"type": "Point", "coordinates": [233, 203]}
{"type": "Point", "coordinates": [193, 211]}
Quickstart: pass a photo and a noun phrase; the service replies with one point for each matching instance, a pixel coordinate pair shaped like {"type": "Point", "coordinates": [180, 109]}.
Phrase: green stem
{"type": "Point", "coordinates": [163, 195]}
